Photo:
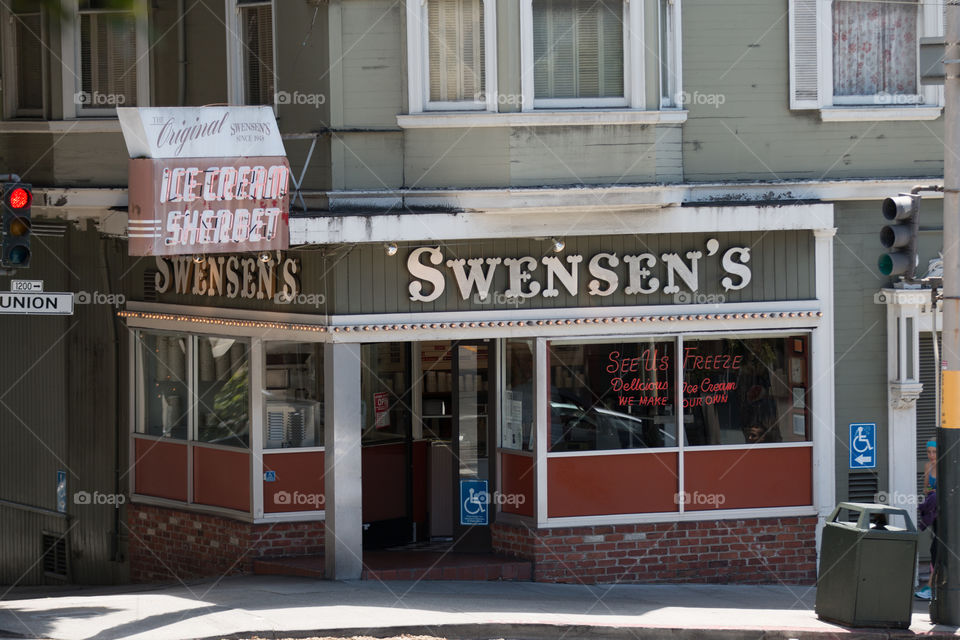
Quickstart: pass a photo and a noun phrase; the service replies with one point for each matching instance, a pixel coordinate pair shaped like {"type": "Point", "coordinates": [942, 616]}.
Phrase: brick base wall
{"type": "Point", "coordinates": [170, 544]}
{"type": "Point", "coordinates": [761, 550]}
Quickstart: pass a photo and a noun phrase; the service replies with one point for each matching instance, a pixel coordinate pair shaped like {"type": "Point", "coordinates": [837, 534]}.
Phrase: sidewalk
{"type": "Point", "coordinates": [274, 606]}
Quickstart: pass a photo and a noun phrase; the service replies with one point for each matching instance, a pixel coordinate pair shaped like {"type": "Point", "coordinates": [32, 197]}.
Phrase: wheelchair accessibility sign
{"type": "Point", "coordinates": [474, 502]}
{"type": "Point", "coordinates": [863, 446]}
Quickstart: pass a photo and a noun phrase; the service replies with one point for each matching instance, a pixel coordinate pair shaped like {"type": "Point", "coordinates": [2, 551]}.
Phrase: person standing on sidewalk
{"type": "Point", "coordinates": [928, 513]}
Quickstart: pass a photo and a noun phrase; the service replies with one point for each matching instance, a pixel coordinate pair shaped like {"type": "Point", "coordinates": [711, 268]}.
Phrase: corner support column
{"type": "Point", "coordinates": [343, 551]}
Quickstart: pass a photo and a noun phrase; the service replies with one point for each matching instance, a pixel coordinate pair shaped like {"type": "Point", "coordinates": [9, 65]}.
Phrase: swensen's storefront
{"type": "Point", "coordinates": [649, 407]}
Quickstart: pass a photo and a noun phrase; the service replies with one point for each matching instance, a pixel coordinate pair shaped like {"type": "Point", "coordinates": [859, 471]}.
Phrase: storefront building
{"type": "Point", "coordinates": [642, 407]}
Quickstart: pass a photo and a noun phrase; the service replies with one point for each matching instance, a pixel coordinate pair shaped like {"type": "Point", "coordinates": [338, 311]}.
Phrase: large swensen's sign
{"type": "Point", "coordinates": [205, 180]}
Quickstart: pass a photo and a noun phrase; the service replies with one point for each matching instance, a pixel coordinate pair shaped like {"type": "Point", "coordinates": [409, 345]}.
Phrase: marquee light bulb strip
{"type": "Point", "coordinates": [360, 328]}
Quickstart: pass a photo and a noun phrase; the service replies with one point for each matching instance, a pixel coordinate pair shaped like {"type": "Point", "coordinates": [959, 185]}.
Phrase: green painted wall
{"type": "Point", "coordinates": [362, 279]}
{"type": "Point", "coordinates": [738, 49]}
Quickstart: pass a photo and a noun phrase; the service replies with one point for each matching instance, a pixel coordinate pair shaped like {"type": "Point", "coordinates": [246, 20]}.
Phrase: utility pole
{"type": "Point", "coordinates": [945, 608]}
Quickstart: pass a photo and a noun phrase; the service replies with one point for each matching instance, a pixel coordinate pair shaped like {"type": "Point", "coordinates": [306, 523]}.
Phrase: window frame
{"type": "Point", "coordinates": [191, 382]}
{"type": "Point", "coordinates": [72, 81]}
{"type": "Point", "coordinates": [11, 110]}
{"type": "Point", "coordinates": [930, 22]}
{"type": "Point", "coordinates": [633, 65]}
{"type": "Point", "coordinates": [236, 76]}
{"type": "Point", "coordinates": [671, 96]}
{"type": "Point", "coordinates": [418, 62]}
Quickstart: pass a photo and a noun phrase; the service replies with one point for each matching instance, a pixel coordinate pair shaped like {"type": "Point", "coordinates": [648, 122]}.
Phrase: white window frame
{"type": "Point", "coordinates": [633, 67]}
{"type": "Point", "coordinates": [924, 105]}
{"type": "Point", "coordinates": [418, 62]}
{"type": "Point", "coordinates": [8, 25]}
{"type": "Point", "coordinates": [72, 68]}
{"type": "Point", "coordinates": [236, 77]}
{"type": "Point", "coordinates": [673, 46]}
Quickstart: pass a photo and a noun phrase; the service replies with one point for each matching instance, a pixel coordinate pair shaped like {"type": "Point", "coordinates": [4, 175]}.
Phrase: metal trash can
{"type": "Point", "coordinates": [867, 568]}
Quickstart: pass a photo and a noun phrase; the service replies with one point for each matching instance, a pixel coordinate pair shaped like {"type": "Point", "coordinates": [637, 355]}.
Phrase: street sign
{"type": "Point", "coordinates": [474, 502]}
{"type": "Point", "coordinates": [863, 446]}
{"type": "Point", "coordinates": [269, 476]}
{"type": "Point", "coordinates": [26, 286]}
{"type": "Point", "coordinates": [47, 304]}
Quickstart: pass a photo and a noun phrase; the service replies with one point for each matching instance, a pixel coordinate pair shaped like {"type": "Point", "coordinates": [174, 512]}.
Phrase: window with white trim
{"type": "Point", "coordinates": [849, 53]}
{"type": "Point", "coordinates": [670, 71]}
{"type": "Point", "coordinates": [110, 58]}
{"type": "Point", "coordinates": [452, 55]}
{"type": "Point", "coordinates": [24, 60]}
{"type": "Point", "coordinates": [251, 52]}
{"type": "Point", "coordinates": [581, 54]}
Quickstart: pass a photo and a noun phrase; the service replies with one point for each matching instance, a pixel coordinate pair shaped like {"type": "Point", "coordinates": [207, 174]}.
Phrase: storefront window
{"type": "Point", "coordinates": [746, 390]}
{"type": "Point", "coordinates": [223, 391]}
{"type": "Point", "coordinates": [618, 395]}
{"type": "Point", "coordinates": [518, 396]}
{"type": "Point", "coordinates": [165, 404]}
{"type": "Point", "coordinates": [293, 395]}
{"type": "Point", "coordinates": [385, 389]}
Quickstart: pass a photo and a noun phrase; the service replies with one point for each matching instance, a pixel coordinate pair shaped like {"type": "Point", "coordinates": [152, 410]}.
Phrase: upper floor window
{"type": "Point", "coordinates": [581, 53]}
{"type": "Point", "coordinates": [109, 63]}
{"type": "Point", "coordinates": [24, 65]}
{"type": "Point", "coordinates": [864, 54]}
{"type": "Point", "coordinates": [251, 52]}
{"type": "Point", "coordinates": [874, 51]}
{"type": "Point", "coordinates": [452, 55]}
{"type": "Point", "coordinates": [670, 71]}
{"type": "Point", "coordinates": [578, 52]}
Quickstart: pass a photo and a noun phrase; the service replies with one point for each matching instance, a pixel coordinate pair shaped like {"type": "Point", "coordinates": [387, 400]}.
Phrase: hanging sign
{"type": "Point", "coordinates": [205, 180]}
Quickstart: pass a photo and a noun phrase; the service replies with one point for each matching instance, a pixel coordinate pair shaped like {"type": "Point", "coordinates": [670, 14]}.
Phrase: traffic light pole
{"type": "Point", "coordinates": [945, 608]}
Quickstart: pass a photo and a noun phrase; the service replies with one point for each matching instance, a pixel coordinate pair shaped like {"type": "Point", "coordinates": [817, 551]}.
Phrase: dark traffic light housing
{"type": "Point", "coordinates": [900, 237]}
{"type": "Point", "coordinates": [17, 225]}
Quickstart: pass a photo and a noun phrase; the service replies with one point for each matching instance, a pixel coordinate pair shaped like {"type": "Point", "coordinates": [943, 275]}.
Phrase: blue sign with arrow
{"type": "Point", "coordinates": [863, 446]}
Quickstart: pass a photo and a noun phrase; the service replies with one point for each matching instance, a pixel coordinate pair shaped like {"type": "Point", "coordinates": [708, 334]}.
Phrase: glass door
{"type": "Point", "coordinates": [473, 430]}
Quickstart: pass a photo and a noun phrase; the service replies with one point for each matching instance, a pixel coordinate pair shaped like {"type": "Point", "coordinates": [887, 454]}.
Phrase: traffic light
{"type": "Point", "coordinates": [17, 224]}
{"type": "Point", "coordinates": [900, 237]}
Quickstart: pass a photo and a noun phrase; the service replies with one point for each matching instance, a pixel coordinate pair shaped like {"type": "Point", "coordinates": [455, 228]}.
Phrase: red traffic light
{"type": "Point", "coordinates": [19, 198]}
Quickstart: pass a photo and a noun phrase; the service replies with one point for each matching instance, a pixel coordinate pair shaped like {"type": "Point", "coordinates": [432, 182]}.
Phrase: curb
{"type": "Point", "coordinates": [539, 631]}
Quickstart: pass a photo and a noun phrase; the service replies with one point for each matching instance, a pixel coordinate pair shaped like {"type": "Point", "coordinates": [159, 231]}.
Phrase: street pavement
{"type": "Point", "coordinates": [281, 607]}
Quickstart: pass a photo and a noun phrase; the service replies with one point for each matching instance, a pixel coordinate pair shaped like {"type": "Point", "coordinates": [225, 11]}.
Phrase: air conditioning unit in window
{"type": "Point", "coordinates": [290, 424]}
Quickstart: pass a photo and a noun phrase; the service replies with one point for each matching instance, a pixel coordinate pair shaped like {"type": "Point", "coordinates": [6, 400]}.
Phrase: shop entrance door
{"type": "Point", "coordinates": [474, 398]}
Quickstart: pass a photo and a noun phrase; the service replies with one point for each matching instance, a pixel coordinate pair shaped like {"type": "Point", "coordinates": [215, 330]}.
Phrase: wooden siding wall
{"type": "Point", "coordinates": [362, 279]}
{"type": "Point", "coordinates": [739, 50]}
{"type": "Point", "coordinates": [60, 399]}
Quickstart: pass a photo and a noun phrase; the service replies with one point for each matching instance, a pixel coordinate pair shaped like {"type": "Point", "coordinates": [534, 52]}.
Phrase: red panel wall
{"type": "Point", "coordinates": [383, 477]}
{"type": "Point", "coordinates": [516, 483]}
{"type": "Point", "coordinates": [161, 469]}
{"type": "Point", "coordinates": [611, 484]}
{"type": "Point", "coordinates": [743, 478]}
{"type": "Point", "coordinates": [221, 478]}
{"type": "Point", "coordinates": [299, 484]}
